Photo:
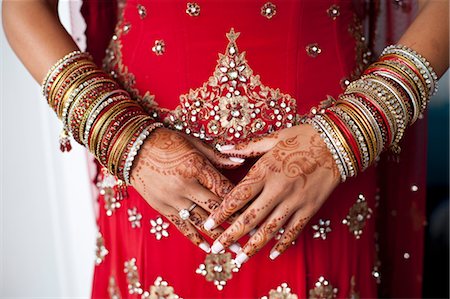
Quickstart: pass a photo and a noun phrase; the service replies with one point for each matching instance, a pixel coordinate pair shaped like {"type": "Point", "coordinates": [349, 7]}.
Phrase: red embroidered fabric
{"type": "Point", "coordinates": [172, 57]}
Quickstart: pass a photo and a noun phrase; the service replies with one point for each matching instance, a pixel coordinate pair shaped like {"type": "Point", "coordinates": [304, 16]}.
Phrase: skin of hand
{"type": "Point", "coordinates": [172, 174]}
{"type": "Point", "coordinates": [285, 187]}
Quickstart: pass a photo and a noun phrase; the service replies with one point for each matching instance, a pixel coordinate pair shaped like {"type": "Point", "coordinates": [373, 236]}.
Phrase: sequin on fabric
{"type": "Point", "coordinates": [218, 268]}
{"type": "Point", "coordinates": [283, 291]}
{"type": "Point", "coordinates": [323, 290]}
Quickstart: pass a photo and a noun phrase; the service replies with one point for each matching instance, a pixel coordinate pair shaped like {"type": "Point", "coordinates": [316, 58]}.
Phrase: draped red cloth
{"type": "Point", "coordinates": [386, 259]}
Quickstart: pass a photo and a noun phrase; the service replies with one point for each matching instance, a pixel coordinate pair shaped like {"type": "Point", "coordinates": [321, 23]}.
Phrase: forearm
{"type": "Point", "coordinates": [429, 34]}
{"type": "Point", "coordinates": [35, 34]}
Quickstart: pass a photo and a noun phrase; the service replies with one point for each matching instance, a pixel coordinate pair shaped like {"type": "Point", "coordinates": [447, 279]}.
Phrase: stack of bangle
{"type": "Point", "coordinates": [375, 110]}
{"type": "Point", "coordinates": [96, 112]}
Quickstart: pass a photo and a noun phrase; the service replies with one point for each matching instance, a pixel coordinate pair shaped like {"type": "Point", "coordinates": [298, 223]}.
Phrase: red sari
{"type": "Point", "coordinates": [365, 241]}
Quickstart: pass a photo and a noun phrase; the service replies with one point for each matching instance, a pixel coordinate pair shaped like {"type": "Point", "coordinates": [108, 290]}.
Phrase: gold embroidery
{"type": "Point", "coordinates": [323, 290]}
{"type": "Point", "coordinates": [108, 188]}
{"type": "Point", "coordinates": [363, 55]}
{"type": "Point", "coordinates": [233, 105]}
{"type": "Point", "coordinates": [134, 286]}
{"type": "Point", "coordinates": [357, 216]}
{"type": "Point", "coordinates": [193, 9]}
{"type": "Point", "coordinates": [100, 249]}
{"type": "Point", "coordinates": [269, 10]}
{"type": "Point", "coordinates": [313, 50]}
{"type": "Point", "coordinates": [353, 293]}
{"type": "Point", "coordinates": [134, 217]}
{"type": "Point", "coordinates": [281, 292]}
{"type": "Point", "coordinates": [333, 12]}
{"type": "Point", "coordinates": [113, 289]}
{"type": "Point", "coordinates": [218, 268]}
{"type": "Point", "coordinates": [159, 48]}
{"type": "Point", "coordinates": [142, 11]}
{"type": "Point", "coordinates": [159, 228]}
{"type": "Point", "coordinates": [160, 290]}
{"type": "Point", "coordinates": [113, 64]}
{"type": "Point", "coordinates": [321, 229]}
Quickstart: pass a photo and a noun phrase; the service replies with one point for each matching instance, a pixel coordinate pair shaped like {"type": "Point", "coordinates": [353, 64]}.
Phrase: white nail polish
{"type": "Point", "coordinates": [208, 224]}
{"type": "Point", "coordinates": [241, 258]}
{"type": "Point", "coordinates": [235, 247]}
{"type": "Point", "coordinates": [205, 247]}
{"type": "Point", "coordinates": [226, 147]}
{"type": "Point", "coordinates": [252, 232]}
{"type": "Point", "coordinates": [274, 254]}
{"type": "Point", "coordinates": [217, 247]}
{"type": "Point", "coordinates": [236, 159]}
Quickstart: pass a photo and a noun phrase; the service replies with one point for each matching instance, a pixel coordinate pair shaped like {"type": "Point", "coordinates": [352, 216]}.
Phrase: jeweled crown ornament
{"type": "Point", "coordinates": [233, 105]}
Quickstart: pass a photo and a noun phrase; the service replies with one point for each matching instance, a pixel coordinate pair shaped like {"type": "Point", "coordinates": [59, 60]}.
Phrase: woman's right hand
{"type": "Point", "coordinates": [171, 174]}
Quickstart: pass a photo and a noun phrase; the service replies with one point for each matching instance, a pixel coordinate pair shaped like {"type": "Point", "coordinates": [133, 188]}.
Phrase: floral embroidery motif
{"type": "Point", "coordinates": [160, 290]}
{"type": "Point", "coordinates": [363, 55]}
{"type": "Point", "coordinates": [268, 10]}
{"type": "Point", "coordinates": [282, 292]}
{"type": "Point", "coordinates": [233, 105]}
{"type": "Point", "coordinates": [357, 216]}
{"type": "Point", "coordinates": [353, 293]}
{"type": "Point", "coordinates": [159, 48]}
{"type": "Point", "coordinates": [134, 217]}
{"type": "Point", "coordinates": [134, 286]}
{"type": "Point", "coordinates": [126, 28]}
{"type": "Point", "coordinates": [113, 64]}
{"type": "Point", "coordinates": [113, 289]}
{"type": "Point", "coordinates": [193, 9]}
{"type": "Point", "coordinates": [142, 11]}
{"type": "Point", "coordinates": [333, 12]}
{"type": "Point", "coordinates": [323, 290]}
{"type": "Point", "coordinates": [159, 228]}
{"type": "Point", "coordinates": [112, 191]}
{"type": "Point", "coordinates": [100, 249]}
{"type": "Point", "coordinates": [321, 229]}
{"type": "Point", "coordinates": [313, 50]}
{"type": "Point", "coordinates": [218, 268]}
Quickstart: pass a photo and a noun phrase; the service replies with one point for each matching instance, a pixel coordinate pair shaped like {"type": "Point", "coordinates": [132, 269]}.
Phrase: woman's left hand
{"type": "Point", "coordinates": [285, 188]}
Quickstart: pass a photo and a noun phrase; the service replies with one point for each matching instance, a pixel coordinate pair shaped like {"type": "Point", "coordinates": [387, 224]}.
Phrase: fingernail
{"type": "Point", "coordinates": [217, 247]}
{"type": "Point", "coordinates": [274, 254]}
{"type": "Point", "coordinates": [241, 258]}
{"type": "Point", "coordinates": [205, 247]}
{"type": "Point", "coordinates": [252, 232]}
{"type": "Point", "coordinates": [235, 247]}
{"type": "Point", "coordinates": [226, 147]}
{"type": "Point", "coordinates": [236, 159]}
{"type": "Point", "coordinates": [208, 224]}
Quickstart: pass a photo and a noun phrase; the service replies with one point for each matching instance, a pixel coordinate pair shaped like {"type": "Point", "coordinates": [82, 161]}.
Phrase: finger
{"type": "Point", "coordinates": [293, 229]}
{"type": "Point", "coordinates": [206, 199]}
{"type": "Point", "coordinates": [259, 145]}
{"type": "Point", "coordinates": [216, 158]}
{"type": "Point", "coordinates": [197, 217]}
{"type": "Point", "coordinates": [244, 192]}
{"type": "Point", "coordinates": [188, 230]}
{"type": "Point", "coordinates": [249, 219]}
{"type": "Point", "coordinates": [212, 179]}
{"type": "Point", "coordinates": [265, 233]}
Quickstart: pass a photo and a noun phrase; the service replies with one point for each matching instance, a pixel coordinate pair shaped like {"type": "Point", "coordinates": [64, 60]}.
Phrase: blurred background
{"type": "Point", "coordinates": [47, 229]}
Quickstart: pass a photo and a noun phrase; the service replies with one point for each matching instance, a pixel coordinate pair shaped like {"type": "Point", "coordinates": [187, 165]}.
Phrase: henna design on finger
{"type": "Point", "coordinates": [290, 234]}
{"type": "Point", "coordinates": [265, 233]}
{"type": "Point", "coordinates": [186, 229]}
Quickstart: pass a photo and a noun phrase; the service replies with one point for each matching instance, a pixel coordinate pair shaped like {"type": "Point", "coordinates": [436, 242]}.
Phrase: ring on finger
{"type": "Point", "coordinates": [186, 213]}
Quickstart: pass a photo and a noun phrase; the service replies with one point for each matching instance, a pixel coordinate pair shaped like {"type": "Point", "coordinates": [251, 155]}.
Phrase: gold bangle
{"type": "Point", "coordinates": [84, 77]}
{"type": "Point", "coordinates": [104, 121]}
{"type": "Point", "coordinates": [338, 134]}
{"type": "Point", "coordinates": [122, 142]}
{"type": "Point", "coordinates": [59, 80]}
